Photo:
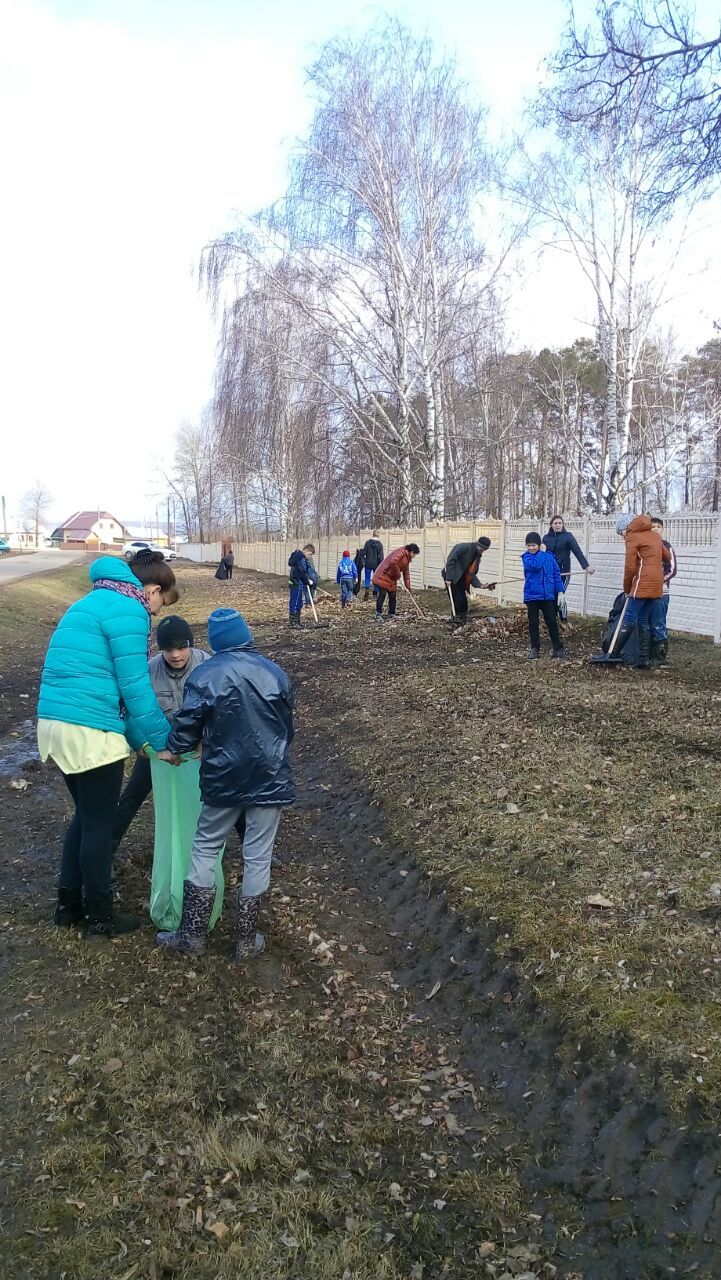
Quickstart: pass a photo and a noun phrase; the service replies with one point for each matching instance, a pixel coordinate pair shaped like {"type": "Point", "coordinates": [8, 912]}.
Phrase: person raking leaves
{"type": "Point", "coordinates": [238, 707]}
{"type": "Point", "coordinates": [460, 574]}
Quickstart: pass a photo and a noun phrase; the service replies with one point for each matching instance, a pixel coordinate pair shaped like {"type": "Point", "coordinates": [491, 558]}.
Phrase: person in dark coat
{"type": "Point", "coordinates": [359, 561]}
{"type": "Point", "coordinates": [670, 567]}
{"type": "Point", "coordinates": [225, 568]}
{"type": "Point", "coordinates": [372, 559]}
{"type": "Point", "coordinates": [461, 571]}
{"type": "Point", "coordinates": [542, 584]}
{"type": "Point", "coordinates": [239, 707]}
{"type": "Point", "coordinates": [169, 673]}
{"type": "Point", "coordinates": [561, 543]}
{"type": "Point", "coordinates": [300, 577]}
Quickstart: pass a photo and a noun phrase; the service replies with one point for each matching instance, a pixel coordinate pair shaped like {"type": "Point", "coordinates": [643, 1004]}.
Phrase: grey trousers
{"type": "Point", "coordinates": [214, 827]}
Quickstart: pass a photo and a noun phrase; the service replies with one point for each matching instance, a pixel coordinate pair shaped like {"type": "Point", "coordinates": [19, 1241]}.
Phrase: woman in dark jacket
{"type": "Point", "coordinates": [561, 543]}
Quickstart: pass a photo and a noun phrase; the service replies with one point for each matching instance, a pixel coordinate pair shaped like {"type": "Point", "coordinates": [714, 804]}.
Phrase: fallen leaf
{"type": "Point", "coordinates": [112, 1065]}
{"type": "Point", "coordinates": [395, 1191]}
{"type": "Point", "coordinates": [486, 1249]}
{"type": "Point", "coordinates": [512, 808]}
{"type": "Point", "coordinates": [218, 1229]}
{"type": "Point", "coordinates": [19, 784]}
{"type": "Point", "coordinates": [302, 1175]}
{"type": "Point", "coordinates": [452, 1125]}
{"type": "Point", "coordinates": [433, 991]}
{"type": "Point", "coordinates": [289, 1241]}
{"type": "Point", "coordinates": [598, 900]}
{"type": "Point", "coordinates": [76, 1204]}
{"type": "Point", "coordinates": [439, 1204]}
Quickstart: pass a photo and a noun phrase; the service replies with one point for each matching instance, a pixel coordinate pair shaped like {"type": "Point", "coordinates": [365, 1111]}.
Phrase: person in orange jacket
{"type": "Point", "coordinates": [643, 578]}
{"type": "Point", "coordinates": [387, 575]}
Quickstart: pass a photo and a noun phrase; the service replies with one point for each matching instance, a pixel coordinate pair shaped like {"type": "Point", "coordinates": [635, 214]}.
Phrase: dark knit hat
{"type": "Point", "coordinates": [227, 629]}
{"type": "Point", "coordinates": [533, 539]}
{"type": "Point", "coordinates": [174, 633]}
{"type": "Point", "coordinates": [483, 542]}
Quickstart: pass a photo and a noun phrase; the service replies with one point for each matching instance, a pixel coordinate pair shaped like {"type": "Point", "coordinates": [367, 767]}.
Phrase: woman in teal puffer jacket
{"type": "Point", "coordinates": [96, 702]}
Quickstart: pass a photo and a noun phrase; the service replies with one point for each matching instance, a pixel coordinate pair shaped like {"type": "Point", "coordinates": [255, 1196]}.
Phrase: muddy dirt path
{"type": "Point", "coordinates": [617, 1186]}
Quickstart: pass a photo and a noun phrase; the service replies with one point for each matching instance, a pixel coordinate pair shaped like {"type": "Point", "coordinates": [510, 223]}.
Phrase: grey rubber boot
{"type": "Point", "coordinates": [534, 653]}
{"type": "Point", "coordinates": [248, 942]}
{"type": "Point", "coordinates": [192, 932]}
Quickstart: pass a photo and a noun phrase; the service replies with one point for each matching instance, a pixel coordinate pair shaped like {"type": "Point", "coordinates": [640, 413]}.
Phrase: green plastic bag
{"type": "Point", "coordinates": [176, 797]}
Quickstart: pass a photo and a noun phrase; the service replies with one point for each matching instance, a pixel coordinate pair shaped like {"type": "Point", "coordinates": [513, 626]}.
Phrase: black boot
{"type": "Point", "coordinates": [191, 933]}
{"type": "Point", "coordinates": [70, 910]}
{"type": "Point", "coordinates": [659, 651]}
{"type": "Point", "coordinates": [294, 619]}
{"type": "Point", "coordinates": [644, 647]}
{"type": "Point", "coordinates": [366, 595]}
{"type": "Point", "coordinates": [248, 942]}
{"type": "Point", "coordinates": [103, 922]}
{"type": "Point", "coordinates": [533, 652]}
{"type": "Point", "coordinates": [560, 653]}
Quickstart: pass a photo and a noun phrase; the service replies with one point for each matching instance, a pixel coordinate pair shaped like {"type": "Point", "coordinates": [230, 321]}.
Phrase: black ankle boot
{"type": "Point", "coordinates": [103, 922]}
{"type": "Point", "coordinates": [69, 910]}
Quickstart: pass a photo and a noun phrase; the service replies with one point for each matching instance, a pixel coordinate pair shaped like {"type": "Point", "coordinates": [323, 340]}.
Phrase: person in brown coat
{"type": "Point", "coordinates": [387, 575]}
{"type": "Point", "coordinates": [643, 584]}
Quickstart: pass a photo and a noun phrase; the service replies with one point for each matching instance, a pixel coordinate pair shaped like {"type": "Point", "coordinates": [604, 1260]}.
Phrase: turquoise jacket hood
{"type": "Point", "coordinates": [113, 568]}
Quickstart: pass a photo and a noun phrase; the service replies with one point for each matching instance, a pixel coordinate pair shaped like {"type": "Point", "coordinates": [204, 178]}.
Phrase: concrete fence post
{"type": "Point", "coordinates": [501, 560]}
{"type": "Point", "coordinates": [717, 578]}
{"type": "Point", "coordinates": [584, 582]}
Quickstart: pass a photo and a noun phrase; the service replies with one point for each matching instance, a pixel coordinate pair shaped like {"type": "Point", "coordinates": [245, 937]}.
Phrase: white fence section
{"type": "Point", "coordinates": [200, 552]}
{"type": "Point", "coordinates": [695, 591]}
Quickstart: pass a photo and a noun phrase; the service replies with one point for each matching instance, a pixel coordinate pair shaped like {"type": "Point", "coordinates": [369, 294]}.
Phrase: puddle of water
{"type": "Point", "coordinates": [18, 749]}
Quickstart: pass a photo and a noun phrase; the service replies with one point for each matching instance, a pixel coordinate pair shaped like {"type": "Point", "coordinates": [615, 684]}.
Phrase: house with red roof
{"type": "Point", "coordinates": [90, 531]}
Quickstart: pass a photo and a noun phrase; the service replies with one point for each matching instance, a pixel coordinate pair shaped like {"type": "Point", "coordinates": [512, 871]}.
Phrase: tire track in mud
{"type": "Point", "coordinates": [597, 1128]}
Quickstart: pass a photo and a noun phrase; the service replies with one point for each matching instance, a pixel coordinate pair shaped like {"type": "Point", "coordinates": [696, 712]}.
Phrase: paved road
{"type": "Point", "coordinates": [14, 567]}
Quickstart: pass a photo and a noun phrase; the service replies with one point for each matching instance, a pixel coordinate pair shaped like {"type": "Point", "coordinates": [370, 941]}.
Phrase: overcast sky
{"type": "Point", "coordinates": [132, 129]}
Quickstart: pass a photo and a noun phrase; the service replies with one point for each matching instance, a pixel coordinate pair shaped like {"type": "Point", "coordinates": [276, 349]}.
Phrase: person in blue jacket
{"type": "Point", "coordinates": [299, 578]}
{"type": "Point", "coordinates": [96, 703]}
{"type": "Point", "coordinates": [542, 583]}
{"type": "Point", "coordinates": [346, 576]}
{"type": "Point", "coordinates": [239, 707]}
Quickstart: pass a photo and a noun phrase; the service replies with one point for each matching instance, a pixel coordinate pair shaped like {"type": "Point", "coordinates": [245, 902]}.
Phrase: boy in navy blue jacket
{"type": "Point", "coordinates": [543, 582]}
{"type": "Point", "coordinates": [299, 578]}
{"type": "Point", "coordinates": [346, 575]}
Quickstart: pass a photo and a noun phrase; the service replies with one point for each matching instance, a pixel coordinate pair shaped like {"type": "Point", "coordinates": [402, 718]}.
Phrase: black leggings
{"type": "Point", "coordinates": [380, 598]}
{"type": "Point", "coordinates": [88, 847]}
{"type": "Point", "coordinates": [550, 617]}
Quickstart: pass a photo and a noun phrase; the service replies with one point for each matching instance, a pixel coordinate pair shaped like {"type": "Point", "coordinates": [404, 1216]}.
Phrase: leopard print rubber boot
{"type": "Point", "coordinates": [191, 934]}
{"type": "Point", "coordinates": [248, 942]}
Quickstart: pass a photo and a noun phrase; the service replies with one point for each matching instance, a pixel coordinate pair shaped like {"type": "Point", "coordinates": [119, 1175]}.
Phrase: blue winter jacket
{"type": "Point", "coordinates": [347, 568]}
{"type": "Point", "coordinates": [299, 570]}
{"type": "Point", "coordinates": [543, 576]}
{"type": "Point", "coordinates": [240, 706]}
{"type": "Point", "coordinates": [96, 668]}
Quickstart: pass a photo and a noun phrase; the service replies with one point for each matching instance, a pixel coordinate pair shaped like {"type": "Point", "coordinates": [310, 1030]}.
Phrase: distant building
{"type": "Point", "coordinates": [24, 539]}
{"type": "Point", "coordinates": [90, 530]}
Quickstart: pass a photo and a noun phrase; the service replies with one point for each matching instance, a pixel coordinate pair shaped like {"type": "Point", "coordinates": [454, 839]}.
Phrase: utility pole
{"type": "Point", "coordinates": [5, 519]}
{"type": "Point", "coordinates": [167, 520]}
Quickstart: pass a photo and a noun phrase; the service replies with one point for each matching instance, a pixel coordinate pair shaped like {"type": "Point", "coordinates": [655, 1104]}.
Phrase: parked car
{"type": "Point", "coordinates": [4, 546]}
{"type": "Point", "coordinates": [132, 548]}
